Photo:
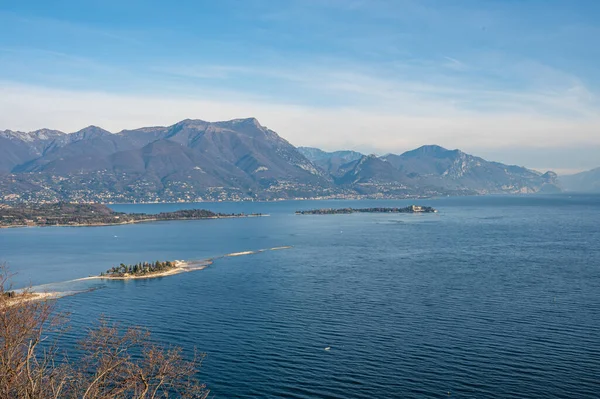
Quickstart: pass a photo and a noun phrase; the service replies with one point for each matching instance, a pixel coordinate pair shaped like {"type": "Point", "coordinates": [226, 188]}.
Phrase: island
{"type": "Point", "coordinates": [69, 214]}
{"type": "Point", "coordinates": [331, 211]}
{"type": "Point", "coordinates": [141, 270]}
{"type": "Point", "coordinates": [168, 268]}
{"type": "Point", "coordinates": [153, 269]}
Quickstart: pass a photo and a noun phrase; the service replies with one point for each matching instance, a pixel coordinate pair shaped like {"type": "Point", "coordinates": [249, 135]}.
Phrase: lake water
{"type": "Point", "coordinates": [491, 297]}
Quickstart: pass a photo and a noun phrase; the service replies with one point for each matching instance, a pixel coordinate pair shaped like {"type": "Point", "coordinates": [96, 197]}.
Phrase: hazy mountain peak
{"type": "Point", "coordinates": [93, 128]}
{"type": "Point", "coordinates": [248, 121]}
{"type": "Point", "coordinates": [588, 181]}
{"type": "Point", "coordinates": [435, 151]}
{"type": "Point", "coordinates": [431, 148]}
{"type": "Point", "coordinates": [89, 132]}
{"type": "Point", "coordinates": [41, 134]}
{"type": "Point", "coordinates": [191, 122]}
{"type": "Point", "coordinates": [11, 134]}
{"type": "Point", "coordinates": [314, 154]}
{"type": "Point", "coordinates": [233, 122]}
{"type": "Point", "coordinates": [330, 162]}
{"type": "Point", "coordinates": [45, 134]}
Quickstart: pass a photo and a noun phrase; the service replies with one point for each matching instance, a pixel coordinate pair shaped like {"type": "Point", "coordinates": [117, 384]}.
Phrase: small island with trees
{"type": "Point", "coordinates": [140, 269]}
{"type": "Point", "coordinates": [331, 211]}
{"type": "Point", "coordinates": [153, 269]}
{"type": "Point", "coordinates": [67, 214]}
{"type": "Point", "coordinates": [168, 268]}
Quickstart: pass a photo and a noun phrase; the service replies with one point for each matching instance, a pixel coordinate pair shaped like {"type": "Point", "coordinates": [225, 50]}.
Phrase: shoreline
{"type": "Point", "coordinates": [180, 267]}
{"type": "Point", "coordinates": [266, 200]}
{"type": "Point", "coordinates": [131, 222]}
{"type": "Point", "coordinates": [242, 253]}
{"type": "Point", "coordinates": [32, 296]}
{"type": "Point", "coordinates": [411, 209]}
{"type": "Point", "coordinates": [184, 266]}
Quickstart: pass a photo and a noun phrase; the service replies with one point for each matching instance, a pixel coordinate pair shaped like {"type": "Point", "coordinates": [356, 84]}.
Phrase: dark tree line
{"type": "Point", "coordinates": [331, 211]}
{"type": "Point", "coordinates": [63, 213]}
{"type": "Point", "coordinates": [139, 268]}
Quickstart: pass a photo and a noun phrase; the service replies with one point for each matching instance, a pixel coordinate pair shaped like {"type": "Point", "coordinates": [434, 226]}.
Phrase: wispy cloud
{"type": "Point", "coordinates": [27, 107]}
{"type": "Point", "coordinates": [390, 88]}
{"type": "Point", "coordinates": [455, 64]}
{"type": "Point", "coordinates": [70, 27]}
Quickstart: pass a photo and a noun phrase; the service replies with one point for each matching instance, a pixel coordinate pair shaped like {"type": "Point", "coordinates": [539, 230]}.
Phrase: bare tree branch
{"type": "Point", "coordinates": [116, 362]}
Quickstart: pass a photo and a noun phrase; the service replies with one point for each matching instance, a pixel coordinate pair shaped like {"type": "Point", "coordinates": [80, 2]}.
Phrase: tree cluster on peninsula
{"type": "Point", "coordinates": [139, 269]}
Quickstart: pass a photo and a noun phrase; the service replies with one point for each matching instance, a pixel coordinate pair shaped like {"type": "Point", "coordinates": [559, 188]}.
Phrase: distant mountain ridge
{"type": "Point", "coordinates": [432, 167]}
{"type": "Point", "coordinates": [588, 181]}
{"type": "Point", "coordinates": [232, 160]}
{"type": "Point", "coordinates": [329, 162]}
{"type": "Point", "coordinates": [454, 169]}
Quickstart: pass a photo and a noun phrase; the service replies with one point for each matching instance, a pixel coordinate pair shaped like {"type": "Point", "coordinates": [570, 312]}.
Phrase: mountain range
{"type": "Point", "coordinates": [238, 159]}
{"type": "Point", "coordinates": [582, 182]}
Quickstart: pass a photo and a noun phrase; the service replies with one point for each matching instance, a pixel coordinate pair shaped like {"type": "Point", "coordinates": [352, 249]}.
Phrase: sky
{"type": "Point", "coordinates": [510, 80]}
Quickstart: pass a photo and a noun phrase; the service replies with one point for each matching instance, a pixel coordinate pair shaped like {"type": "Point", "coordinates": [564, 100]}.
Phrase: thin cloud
{"type": "Point", "coordinates": [31, 107]}
{"type": "Point", "coordinates": [73, 28]}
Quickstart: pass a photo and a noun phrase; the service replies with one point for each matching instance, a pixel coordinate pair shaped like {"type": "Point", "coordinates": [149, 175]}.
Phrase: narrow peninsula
{"type": "Point", "coordinates": [11, 298]}
{"type": "Point", "coordinates": [67, 214]}
{"type": "Point", "coordinates": [141, 270]}
{"type": "Point", "coordinates": [168, 268]}
{"type": "Point", "coordinates": [331, 211]}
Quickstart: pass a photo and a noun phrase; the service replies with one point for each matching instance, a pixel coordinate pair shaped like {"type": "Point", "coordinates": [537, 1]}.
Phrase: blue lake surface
{"type": "Point", "coordinates": [491, 297]}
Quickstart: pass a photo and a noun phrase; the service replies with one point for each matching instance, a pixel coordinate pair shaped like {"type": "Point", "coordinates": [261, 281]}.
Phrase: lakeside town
{"type": "Point", "coordinates": [68, 214]}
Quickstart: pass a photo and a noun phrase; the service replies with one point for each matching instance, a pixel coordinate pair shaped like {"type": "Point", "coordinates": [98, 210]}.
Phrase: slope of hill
{"type": "Point", "coordinates": [369, 169]}
{"type": "Point", "coordinates": [329, 162]}
{"type": "Point", "coordinates": [17, 148]}
{"type": "Point", "coordinates": [454, 169]}
{"type": "Point", "coordinates": [585, 182]}
{"type": "Point", "coordinates": [232, 160]}
{"type": "Point", "coordinates": [371, 175]}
